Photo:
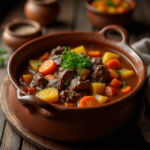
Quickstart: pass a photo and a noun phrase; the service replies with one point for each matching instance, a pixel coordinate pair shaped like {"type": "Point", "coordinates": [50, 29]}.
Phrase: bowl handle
{"type": "Point", "coordinates": [33, 104]}
{"type": "Point", "coordinates": [118, 29]}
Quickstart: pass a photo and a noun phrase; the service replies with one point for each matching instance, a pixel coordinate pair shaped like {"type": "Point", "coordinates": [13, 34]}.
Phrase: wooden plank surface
{"type": "Point", "coordinates": [75, 20]}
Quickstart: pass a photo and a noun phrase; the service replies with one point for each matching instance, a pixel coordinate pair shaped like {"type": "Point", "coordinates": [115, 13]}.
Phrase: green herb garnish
{"type": "Point", "coordinates": [1, 62]}
{"type": "Point", "coordinates": [40, 63]}
{"type": "Point", "coordinates": [3, 56]}
{"type": "Point", "coordinates": [53, 86]}
{"type": "Point", "coordinates": [2, 50]}
{"type": "Point", "coordinates": [109, 3]}
{"type": "Point", "coordinates": [101, 82]}
{"type": "Point", "coordinates": [77, 74]}
{"type": "Point", "coordinates": [123, 85]}
{"type": "Point", "coordinates": [57, 77]}
{"type": "Point", "coordinates": [71, 95]}
{"type": "Point", "coordinates": [72, 60]}
{"type": "Point", "coordinates": [117, 71]}
{"type": "Point", "coordinates": [67, 83]}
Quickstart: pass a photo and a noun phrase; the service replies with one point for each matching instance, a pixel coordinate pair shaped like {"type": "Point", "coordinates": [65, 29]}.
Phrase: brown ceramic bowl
{"type": "Point", "coordinates": [101, 19]}
{"type": "Point", "coordinates": [42, 11]}
{"type": "Point", "coordinates": [18, 32]}
{"type": "Point", "coordinates": [70, 123]}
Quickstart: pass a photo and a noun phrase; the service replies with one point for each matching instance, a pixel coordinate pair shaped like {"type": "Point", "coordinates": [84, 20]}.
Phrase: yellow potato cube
{"type": "Point", "coordinates": [125, 4]}
{"type": "Point", "coordinates": [101, 99]}
{"type": "Point", "coordinates": [83, 72]}
{"type": "Point", "coordinates": [112, 10]}
{"type": "Point", "coordinates": [125, 73]}
{"type": "Point", "coordinates": [50, 95]}
{"type": "Point", "coordinates": [108, 56]}
{"type": "Point", "coordinates": [33, 64]}
{"type": "Point", "coordinates": [97, 88]}
{"type": "Point", "coordinates": [79, 49]}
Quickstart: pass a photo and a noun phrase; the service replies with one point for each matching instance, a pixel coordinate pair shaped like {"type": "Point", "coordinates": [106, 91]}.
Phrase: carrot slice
{"type": "Point", "coordinates": [126, 90]}
{"type": "Point", "coordinates": [27, 78]}
{"type": "Point", "coordinates": [49, 77]}
{"type": "Point", "coordinates": [25, 89]}
{"type": "Point", "coordinates": [110, 91]}
{"type": "Point", "coordinates": [115, 83]}
{"type": "Point", "coordinates": [94, 53]}
{"type": "Point", "coordinates": [48, 67]}
{"type": "Point", "coordinates": [45, 56]}
{"type": "Point", "coordinates": [88, 101]}
{"type": "Point", "coordinates": [113, 64]}
{"type": "Point", "coordinates": [31, 90]}
{"type": "Point", "coordinates": [113, 74]}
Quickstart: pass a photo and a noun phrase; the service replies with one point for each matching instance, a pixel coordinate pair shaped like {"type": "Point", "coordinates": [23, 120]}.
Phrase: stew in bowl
{"type": "Point", "coordinates": [79, 77]}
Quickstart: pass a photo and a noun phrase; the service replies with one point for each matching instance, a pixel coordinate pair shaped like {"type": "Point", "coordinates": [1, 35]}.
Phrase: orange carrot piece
{"type": "Point", "coordinates": [113, 74]}
{"type": "Point", "coordinates": [113, 64]}
{"type": "Point", "coordinates": [49, 77]}
{"type": "Point", "coordinates": [45, 56]}
{"type": "Point", "coordinates": [88, 101]}
{"type": "Point", "coordinates": [31, 90]}
{"type": "Point", "coordinates": [94, 53]}
{"type": "Point", "coordinates": [25, 89]}
{"type": "Point", "coordinates": [115, 83]}
{"type": "Point", "coordinates": [27, 78]}
{"type": "Point", "coordinates": [120, 10]}
{"type": "Point", "coordinates": [110, 91]}
{"type": "Point", "coordinates": [48, 67]}
{"type": "Point", "coordinates": [126, 90]}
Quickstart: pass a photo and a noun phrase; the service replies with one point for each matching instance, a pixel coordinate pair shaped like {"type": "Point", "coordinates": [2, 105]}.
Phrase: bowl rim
{"type": "Point", "coordinates": [61, 107]}
{"type": "Point", "coordinates": [23, 22]}
{"type": "Point", "coordinates": [94, 10]}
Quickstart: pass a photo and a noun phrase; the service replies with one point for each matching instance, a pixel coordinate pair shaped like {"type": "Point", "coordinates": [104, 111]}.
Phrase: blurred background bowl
{"type": "Point", "coordinates": [42, 11]}
{"type": "Point", "coordinates": [20, 31]}
{"type": "Point", "coordinates": [101, 19]}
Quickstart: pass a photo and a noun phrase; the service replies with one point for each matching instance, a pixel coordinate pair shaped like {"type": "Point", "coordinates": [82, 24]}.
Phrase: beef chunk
{"type": "Point", "coordinates": [80, 83]}
{"type": "Point", "coordinates": [72, 96]}
{"type": "Point", "coordinates": [38, 81]}
{"type": "Point", "coordinates": [95, 62]}
{"type": "Point", "coordinates": [59, 69]}
{"type": "Point", "coordinates": [100, 74]}
{"type": "Point", "coordinates": [66, 75]}
{"type": "Point", "coordinates": [56, 51]}
{"type": "Point", "coordinates": [57, 60]}
{"type": "Point", "coordinates": [58, 83]}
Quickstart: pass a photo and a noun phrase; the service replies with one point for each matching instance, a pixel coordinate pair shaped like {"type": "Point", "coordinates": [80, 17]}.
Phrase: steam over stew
{"type": "Point", "coordinates": [78, 77]}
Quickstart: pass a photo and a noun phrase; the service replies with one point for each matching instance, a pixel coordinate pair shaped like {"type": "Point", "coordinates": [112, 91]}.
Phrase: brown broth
{"type": "Point", "coordinates": [124, 63]}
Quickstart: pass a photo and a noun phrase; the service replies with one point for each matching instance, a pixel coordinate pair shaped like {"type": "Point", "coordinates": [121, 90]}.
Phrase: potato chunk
{"type": "Point", "coordinates": [97, 88]}
{"type": "Point", "coordinates": [101, 99]}
{"type": "Point", "coordinates": [83, 72]}
{"type": "Point", "coordinates": [108, 56]}
{"type": "Point", "coordinates": [33, 64]}
{"type": "Point", "coordinates": [125, 73]}
{"type": "Point", "coordinates": [79, 49]}
{"type": "Point", "coordinates": [50, 95]}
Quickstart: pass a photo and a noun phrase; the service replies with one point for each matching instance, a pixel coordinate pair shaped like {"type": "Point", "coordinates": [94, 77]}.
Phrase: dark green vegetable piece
{"type": "Point", "coordinates": [117, 71]}
{"type": "Point", "coordinates": [123, 85]}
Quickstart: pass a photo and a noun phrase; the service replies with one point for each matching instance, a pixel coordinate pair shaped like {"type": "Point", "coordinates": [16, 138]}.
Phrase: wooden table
{"type": "Point", "coordinates": [73, 17]}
